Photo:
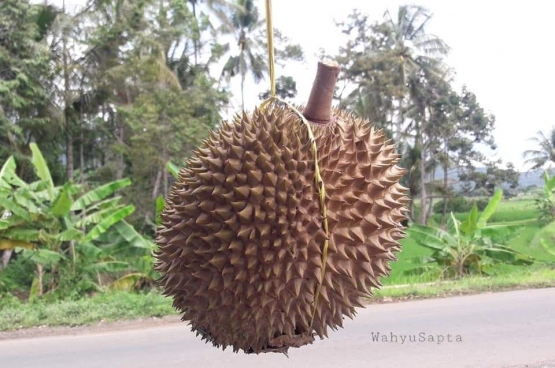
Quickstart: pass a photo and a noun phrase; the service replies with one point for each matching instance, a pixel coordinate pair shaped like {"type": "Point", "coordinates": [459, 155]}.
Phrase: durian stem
{"type": "Point", "coordinates": [318, 108]}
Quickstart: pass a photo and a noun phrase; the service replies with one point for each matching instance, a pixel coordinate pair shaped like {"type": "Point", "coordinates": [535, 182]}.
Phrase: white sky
{"type": "Point", "coordinates": [502, 50]}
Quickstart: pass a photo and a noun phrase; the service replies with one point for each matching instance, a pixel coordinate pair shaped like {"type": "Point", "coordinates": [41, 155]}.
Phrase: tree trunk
{"type": "Point", "coordinates": [165, 173]}
{"type": "Point", "coordinates": [423, 194]}
{"type": "Point", "coordinates": [119, 161]}
{"type": "Point", "coordinates": [242, 84]}
{"type": "Point", "coordinates": [400, 121]}
{"type": "Point", "coordinates": [242, 70]}
{"type": "Point", "coordinates": [40, 273]}
{"type": "Point", "coordinates": [120, 124]}
{"type": "Point", "coordinates": [431, 200]}
{"type": "Point", "coordinates": [196, 36]}
{"type": "Point", "coordinates": [67, 103]}
{"type": "Point", "coordinates": [445, 196]}
{"type": "Point", "coordinates": [69, 150]}
{"type": "Point", "coordinates": [6, 256]}
{"type": "Point", "coordinates": [157, 184]}
{"type": "Point", "coordinates": [81, 156]}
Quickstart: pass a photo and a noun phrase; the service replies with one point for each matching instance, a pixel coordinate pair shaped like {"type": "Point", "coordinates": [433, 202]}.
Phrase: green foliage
{"type": "Point", "coordinates": [544, 239]}
{"type": "Point", "coordinates": [286, 87]}
{"type": "Point", "coordinates": [110, 306]}
{"type": "Point", "coordinates": [44, 226]}
{"type": "Point", "coordinates": [173, 169]}
{"type": "Point", "coordinates": [459, 204]}
{"type": "Point", "coordinates": [492, 178]}
{"type": "Point", "coordinates": [24, 73]}
{"type": "Point", "coordinates": [545, 200]}
{"type": "Point", "coordinates": [468, 246]}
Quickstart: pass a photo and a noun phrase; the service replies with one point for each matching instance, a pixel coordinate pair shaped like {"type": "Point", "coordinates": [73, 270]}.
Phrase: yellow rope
{"type": "Point", "coordinates": [318, 181]}
{"type": "Point", "coordinates": [270, 35]}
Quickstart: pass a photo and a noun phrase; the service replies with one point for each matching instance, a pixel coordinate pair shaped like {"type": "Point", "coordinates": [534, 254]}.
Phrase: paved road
{"type": "Point", "coordinates": [510, 329]}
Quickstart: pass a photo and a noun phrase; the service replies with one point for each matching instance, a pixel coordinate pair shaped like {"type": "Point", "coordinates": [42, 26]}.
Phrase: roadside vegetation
{"type": "Point", "coordinates": [102, 104]}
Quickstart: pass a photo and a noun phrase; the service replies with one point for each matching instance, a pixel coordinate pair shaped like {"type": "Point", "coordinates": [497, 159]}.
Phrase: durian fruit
{"type": "Point", "coordinates": [241, 243]}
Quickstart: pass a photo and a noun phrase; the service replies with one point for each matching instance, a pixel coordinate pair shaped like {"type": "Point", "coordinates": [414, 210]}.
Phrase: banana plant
{"type": "Point", "coordinates": [40, 216]}
{"type": "Point", "coordinates": [545, 202]}
{"type": "Point", "coordinates": [469, 246]}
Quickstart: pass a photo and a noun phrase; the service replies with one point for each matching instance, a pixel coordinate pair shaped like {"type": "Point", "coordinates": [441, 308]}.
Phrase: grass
{"type": "Point", "coordinates": [124, 306]}
{"type": "Point", "coordinates": [102, 307]}
{"type": "Point", "coordinates": [521, 278]}
{"type": "Point", "coordinates": [508, 211]}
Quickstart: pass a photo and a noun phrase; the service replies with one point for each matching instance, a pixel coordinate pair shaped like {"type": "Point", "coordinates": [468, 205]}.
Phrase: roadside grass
{"type": "Point", "coordinates": [101, 307]}
{"type": "Point", "coordinates": [15, 315]}
{"type": "Point", "coordinates": [521, 278]}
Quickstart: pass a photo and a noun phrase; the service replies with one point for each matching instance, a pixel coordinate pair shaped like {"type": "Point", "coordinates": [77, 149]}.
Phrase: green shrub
{"type": "Point", "coordinates": [460, 204]}
{"type": "Point", "coordinates": [469, 246]}
{"type": "Point", "coordinates": [455, 204]}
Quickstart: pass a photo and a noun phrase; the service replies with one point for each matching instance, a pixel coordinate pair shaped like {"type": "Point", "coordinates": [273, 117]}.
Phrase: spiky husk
{"type": "Point", "coordinates": [240, 246]}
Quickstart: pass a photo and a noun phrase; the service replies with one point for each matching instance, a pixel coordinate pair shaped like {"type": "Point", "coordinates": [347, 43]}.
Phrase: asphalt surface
{"type": "Point", "coordinates": [508, 329]}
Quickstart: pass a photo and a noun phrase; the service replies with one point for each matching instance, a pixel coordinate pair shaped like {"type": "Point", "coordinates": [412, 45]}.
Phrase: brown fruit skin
{"type": "Point", "coordinates": [240, 246]}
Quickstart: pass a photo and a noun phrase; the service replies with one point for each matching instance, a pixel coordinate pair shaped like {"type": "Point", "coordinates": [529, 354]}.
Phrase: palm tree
{"type": "Point", "coordinates": [545, 153]}
{"type": "Point", "coordinates": [411, 51]}
{"type": "Point", "coordinates": [245, 21]}
{"type": "Point", "coordinates": [219, 8]}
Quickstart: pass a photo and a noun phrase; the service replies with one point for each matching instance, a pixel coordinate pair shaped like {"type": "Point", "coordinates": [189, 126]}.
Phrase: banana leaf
{"type": "Point", "coordinates": [107, 222]}
{"type": "Point", "coordinates": [490, 209]}
{"type": "Point", "coordinates": [14, 208]}
{"type": "Point", "coordinates": [63, 202]}
{"type": "Point", "coordinates": [41, 168]}
{"type": "Point", "coordinates": [430, 237]}
{"type": "Point", "coordinates": [106, 203]}
{"type": "Point", "coordinates": [470, 225]}
{"type": "Point", "coordinates": [8, 175]}
{"type": "Point", "coordinates": [108, 267]}
{"type": "Point", "coordinates": [95, 217]}
{"type": "Point", "coordinates": [22, 233]}
{"type": "Point", "coordinates": [69, 235]}
{"type": "Point", "coordinates": [127, 282]}
{"type": "Point", "coordinates": [26, 199]}
{"type": "Point", "coordinates": [43, 256]}
{"type": "Point", "coordinates": [89, 251]}
{"type": "Point", "coordinates": [131, 236]}
{"type": "Point", "coordinates": [99, 193]}
{"type": "Point", "coordinates": [159, 208]}
{"type": "Point", "coordinates": [173, 169]}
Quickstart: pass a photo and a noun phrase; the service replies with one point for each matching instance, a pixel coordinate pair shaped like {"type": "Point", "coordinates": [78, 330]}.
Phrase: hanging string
{"type": "Point", "coordinates": [270, 35]}
{"type": "Point", "coordinates": [318, 181]}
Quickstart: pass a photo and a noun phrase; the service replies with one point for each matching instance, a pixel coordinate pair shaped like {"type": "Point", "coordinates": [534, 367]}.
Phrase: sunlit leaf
{"type": "Point", "coordinates": [159, 208]}
{"type": "Point", "coordinates": [107, 222]}
{"type": "Point", "coordinates": [99, 193]}
{"type": "Point", "coordinates": [41, 168]}
{"type": "Point", "coordinates": [62, 203]}
{"type": "Point", "coordinates": [173, 169]}
{"type": "Point", "coordinates": [127, 282]}
{"type": "Point", "coordinates": [490, 209]}
{"type": "Point", "coordinates": [131, 236]}
{"type": "Point", "coordinates": [14, 208]}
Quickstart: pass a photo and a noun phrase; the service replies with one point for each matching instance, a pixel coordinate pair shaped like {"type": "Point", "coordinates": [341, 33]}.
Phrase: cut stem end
{"type": "Point", "coordinates": [318, 107]}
